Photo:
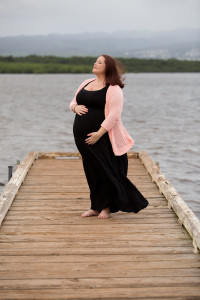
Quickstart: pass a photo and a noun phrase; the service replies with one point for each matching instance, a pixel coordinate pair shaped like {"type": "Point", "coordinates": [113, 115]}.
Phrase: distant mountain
{"type": "Point", "coordinates": [180, 44]}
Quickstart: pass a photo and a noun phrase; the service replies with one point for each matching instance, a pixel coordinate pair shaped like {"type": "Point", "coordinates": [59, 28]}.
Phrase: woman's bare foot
{"type": "Point", "coordinates": [105, 213]}
{"type": "Point", "coordinates": [90, 213]}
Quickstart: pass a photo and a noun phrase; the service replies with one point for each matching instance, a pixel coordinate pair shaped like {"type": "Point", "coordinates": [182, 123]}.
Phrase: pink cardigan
{"type": "Point", "coordinates": [120, 140]}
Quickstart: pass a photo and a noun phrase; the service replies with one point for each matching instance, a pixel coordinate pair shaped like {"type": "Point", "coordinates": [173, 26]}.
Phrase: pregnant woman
{"type": "Point", "coordinates": [103, 142]}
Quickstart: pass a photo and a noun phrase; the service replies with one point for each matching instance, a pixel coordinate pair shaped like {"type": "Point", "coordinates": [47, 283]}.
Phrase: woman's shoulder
{"type": "Point", "coordinates": [84, 83]}
{"type": "Point", "coordinates": [88, 80]}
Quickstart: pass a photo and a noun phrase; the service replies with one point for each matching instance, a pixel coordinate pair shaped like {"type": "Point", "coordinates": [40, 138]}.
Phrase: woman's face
{"type": "Point", "coordinates": [99, 66]}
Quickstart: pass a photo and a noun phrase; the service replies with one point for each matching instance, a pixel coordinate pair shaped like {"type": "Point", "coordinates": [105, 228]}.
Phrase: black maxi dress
{"type": "Point", "coordinates": [106, 173]}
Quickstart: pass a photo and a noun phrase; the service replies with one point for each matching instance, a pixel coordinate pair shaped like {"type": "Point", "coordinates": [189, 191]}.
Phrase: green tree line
{"type": "Point", "coordinates": [78, 64]}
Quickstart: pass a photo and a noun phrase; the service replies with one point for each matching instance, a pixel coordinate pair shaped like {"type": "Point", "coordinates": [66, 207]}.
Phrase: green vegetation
{"type": "Point", "coordinates": [78, 64]}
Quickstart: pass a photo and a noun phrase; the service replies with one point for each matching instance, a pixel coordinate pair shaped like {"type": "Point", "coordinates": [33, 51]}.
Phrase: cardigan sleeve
{"type": "Point", "coordinates": [114, 109]}
{"type": "Point", "coordinates": [79, 88]}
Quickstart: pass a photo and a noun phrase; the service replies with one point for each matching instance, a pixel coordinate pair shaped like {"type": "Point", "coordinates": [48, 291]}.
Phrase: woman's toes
{"type": "Point", "coordinates": [104, 214]}
{"type": "Point", "coordinates": [89, 213]}
{"type": "Point", "coordinates": [85, 214]}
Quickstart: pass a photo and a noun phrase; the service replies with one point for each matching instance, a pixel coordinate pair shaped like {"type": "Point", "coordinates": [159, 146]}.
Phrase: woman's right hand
{"type": "Point", "coordinates": [80, 109]}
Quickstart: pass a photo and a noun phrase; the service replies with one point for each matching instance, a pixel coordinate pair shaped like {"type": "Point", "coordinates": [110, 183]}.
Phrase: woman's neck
{"type": "Point", "coordinates": [100, 79]}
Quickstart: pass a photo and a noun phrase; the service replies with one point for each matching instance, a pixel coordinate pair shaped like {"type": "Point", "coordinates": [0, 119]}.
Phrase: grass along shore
{"type": "Point", "coordinates": [78, 64]}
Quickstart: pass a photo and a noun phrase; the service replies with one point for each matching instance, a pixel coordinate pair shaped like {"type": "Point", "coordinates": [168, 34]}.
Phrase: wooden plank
{"type": "Point", "coordinates": [128, 229]}
{"type": "Point", "coordinates": [70, 181]}
{"type": "Point", "coordinates": [86, 268]}
{"type": "Point", "coordinates": [105, 242]}
{"type": "Point", "coordinates": [75, 196]}
{"type": "Point", "coordinates": [89, 282]}
{"type": "Point", "coordinates": [97, 228]}
{"type": "Point", "coordinates": [76, 212]}
{"type": "Point", "coordinates": [98, 293]}
{"type": "Point", "coordinates": [42, 155]}
{"type": "Point", "coordinates": [47, 220]}
{"type": "Point", "coordinates": [14, 184]}
{"type": "Point", "coordinates": [99, 258]}
{"type": "Point", "coordinates": [47, 236]}
{"type": "Point", "coordinates": [105, 270]}
{"type": "Point", "coordinates": [46, 204]}
{"type": "Point", "coordinates": [65, 189]}
{"type": "Point", "coordinates": [53, 155]}
{"type": "Point", "coordinates": [67, 206]}
{"type": "Point", "coordinates": [18, 249]}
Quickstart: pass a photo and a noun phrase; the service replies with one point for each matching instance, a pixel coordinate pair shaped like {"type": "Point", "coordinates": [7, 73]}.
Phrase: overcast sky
{"type": "Point", "coordinates": [32, 17]}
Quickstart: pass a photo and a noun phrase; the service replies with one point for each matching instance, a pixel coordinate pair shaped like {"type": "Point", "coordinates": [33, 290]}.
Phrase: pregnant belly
{"type": "Point", "coordinates": [89, 122]}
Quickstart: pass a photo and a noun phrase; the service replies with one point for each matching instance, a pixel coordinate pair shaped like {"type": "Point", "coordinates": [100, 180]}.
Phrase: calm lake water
{"type": "Point", "coordinates": [161, 112]}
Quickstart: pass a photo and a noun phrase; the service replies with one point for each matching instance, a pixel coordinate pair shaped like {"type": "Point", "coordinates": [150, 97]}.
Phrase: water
{"type": "Point", "coordinates": [161, 112]}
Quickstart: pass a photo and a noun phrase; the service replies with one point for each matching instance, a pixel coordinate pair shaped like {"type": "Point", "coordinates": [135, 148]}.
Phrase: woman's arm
{"type": "Point", "coordinates": [95, 136]}
{"type": "Point", "coordinates": [101, 131]}
{"type": "Point", "coordinates": [73, 106]}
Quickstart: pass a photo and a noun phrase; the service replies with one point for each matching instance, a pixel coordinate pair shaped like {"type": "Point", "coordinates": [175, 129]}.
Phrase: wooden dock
{"type": "Point", "coordinates": [48, 251]}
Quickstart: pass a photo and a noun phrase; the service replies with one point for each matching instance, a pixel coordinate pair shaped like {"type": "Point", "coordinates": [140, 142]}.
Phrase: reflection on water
{"type": "Point", "coordinates": [161, 112]}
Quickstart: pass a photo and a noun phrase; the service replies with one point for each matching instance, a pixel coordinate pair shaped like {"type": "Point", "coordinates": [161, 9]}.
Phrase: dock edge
{"type": "Point", "coordinates": [13, 185]}
{"type": "Point", "coordinates": [186, 217]}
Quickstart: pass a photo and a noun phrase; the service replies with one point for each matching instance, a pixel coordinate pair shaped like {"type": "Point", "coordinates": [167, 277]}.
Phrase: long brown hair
{"type": "Point", "coordinates": [114, 71]}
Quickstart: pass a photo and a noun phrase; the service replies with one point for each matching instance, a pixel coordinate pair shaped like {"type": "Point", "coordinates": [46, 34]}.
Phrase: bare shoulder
{"type": "Point", "coordinates": [88, 80]}
{"type": "Point", "coordinates": [84, 83]}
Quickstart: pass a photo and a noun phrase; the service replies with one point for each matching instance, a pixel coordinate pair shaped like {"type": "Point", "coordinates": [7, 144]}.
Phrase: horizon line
{"type": "Point", "coordinates": [101, 32]}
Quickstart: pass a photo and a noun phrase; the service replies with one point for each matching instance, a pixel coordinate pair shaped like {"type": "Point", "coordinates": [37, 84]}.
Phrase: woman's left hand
{"type": "Point", "coordinates": [93, 138]}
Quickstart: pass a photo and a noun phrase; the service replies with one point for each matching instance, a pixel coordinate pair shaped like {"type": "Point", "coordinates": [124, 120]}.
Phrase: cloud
{"type": "Point", "coordinates": [75, 16]}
